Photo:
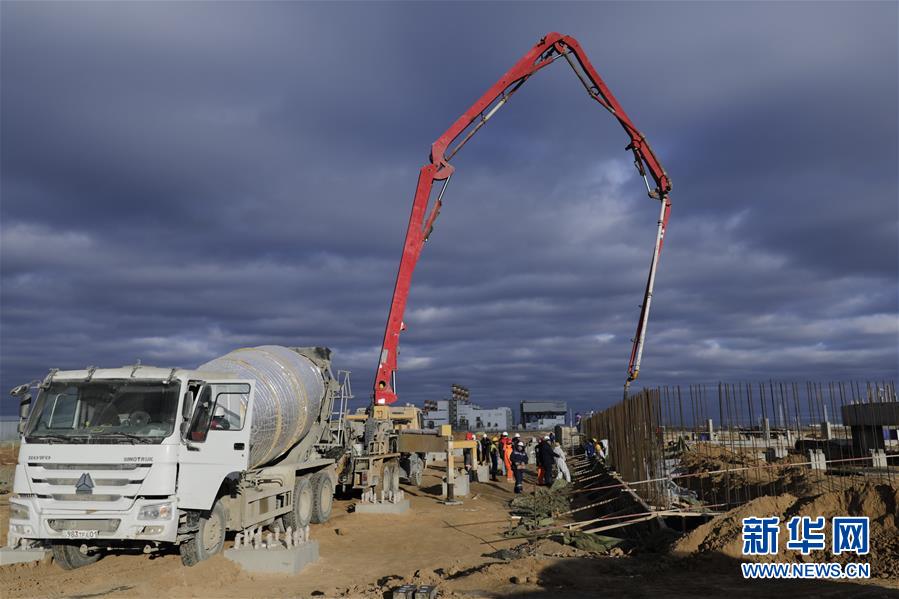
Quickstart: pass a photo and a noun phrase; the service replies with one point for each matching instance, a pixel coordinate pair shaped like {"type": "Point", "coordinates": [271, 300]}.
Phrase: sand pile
{"type": "Point", "coordinates": [722, 536]}
{"type": "Point", "coordinates": [717, 474]}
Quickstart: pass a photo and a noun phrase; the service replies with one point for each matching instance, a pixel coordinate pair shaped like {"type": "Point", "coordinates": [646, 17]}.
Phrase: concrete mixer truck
{"type": "Point", "coordinates": [144, 457]}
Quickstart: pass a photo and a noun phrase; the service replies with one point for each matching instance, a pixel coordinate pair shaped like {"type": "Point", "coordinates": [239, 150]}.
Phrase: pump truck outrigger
{"type": "Point", "coordinates": [421, 222]}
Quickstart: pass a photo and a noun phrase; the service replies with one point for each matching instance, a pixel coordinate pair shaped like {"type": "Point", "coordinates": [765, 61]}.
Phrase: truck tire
{"type": "Point", "coordinates": [208, 540]}
{"type": "Point", "coordinates": [303, 499]}
{"type": "Point", "coordinates": [69, 556]}
{"type": "Point", "coordinates": [322, 497]}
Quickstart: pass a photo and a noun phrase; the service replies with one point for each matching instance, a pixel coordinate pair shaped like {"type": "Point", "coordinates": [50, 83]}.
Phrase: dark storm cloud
{"type": "Point", "coordinates": [181, 179]}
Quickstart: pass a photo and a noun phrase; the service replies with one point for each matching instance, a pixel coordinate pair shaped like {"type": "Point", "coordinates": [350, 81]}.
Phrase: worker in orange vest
{"type": "Point", "coordinates": [506, 445]}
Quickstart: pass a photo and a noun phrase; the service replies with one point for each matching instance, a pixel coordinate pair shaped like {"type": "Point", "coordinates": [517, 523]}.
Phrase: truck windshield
{"type": "Point", "coordinates": [104, 411]}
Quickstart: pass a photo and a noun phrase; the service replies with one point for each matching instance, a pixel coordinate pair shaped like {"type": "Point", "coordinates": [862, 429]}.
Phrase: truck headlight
{"type": "Point", "coordinates": [20, 529]}
{"type": "Point", "coordinates": [157, 511]}
{"type": "Point", "coordinates": [17, 511]}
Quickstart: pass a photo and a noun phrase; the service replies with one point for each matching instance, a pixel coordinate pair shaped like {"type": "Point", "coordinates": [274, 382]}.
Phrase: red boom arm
{"type": "Point", "coordinates": [421, 222]}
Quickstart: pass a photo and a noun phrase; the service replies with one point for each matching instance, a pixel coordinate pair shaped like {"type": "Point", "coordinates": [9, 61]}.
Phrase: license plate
{"type": "Point", "coordinates": [80, 534]}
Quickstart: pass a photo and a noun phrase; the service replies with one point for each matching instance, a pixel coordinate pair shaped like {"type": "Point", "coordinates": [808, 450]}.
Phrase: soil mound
{"type": "Point", "coordinates": [722, 536]}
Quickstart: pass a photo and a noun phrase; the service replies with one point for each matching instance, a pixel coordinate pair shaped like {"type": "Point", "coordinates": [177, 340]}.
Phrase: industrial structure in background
{"type": "Point", "coordinates": [421, 222]}
{"type": "Point", "coordinates": [461, 414]}
{"type": "Point", "coordinates": [543, 415]}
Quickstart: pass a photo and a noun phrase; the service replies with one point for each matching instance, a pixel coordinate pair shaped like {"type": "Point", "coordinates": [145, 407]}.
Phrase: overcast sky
{"type": "Point", "coordinates": [179, 180]}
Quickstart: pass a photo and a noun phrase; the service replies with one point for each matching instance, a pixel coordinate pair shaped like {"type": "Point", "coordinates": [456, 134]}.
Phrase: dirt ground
{"type": "Point", "coordinates": [458, 548]}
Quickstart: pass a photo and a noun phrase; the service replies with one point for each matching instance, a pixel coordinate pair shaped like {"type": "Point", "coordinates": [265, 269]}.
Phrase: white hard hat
{"type": "Point", "coordinates": [505, 434]}
{"type": "Point", "coordinates": [517, 435]}
{"type": "Point", "coordinates": [546, 438]}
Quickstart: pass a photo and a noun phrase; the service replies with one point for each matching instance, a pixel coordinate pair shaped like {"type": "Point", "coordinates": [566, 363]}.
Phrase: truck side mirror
{"type": "Point", "coordinates": [186, 408]}
{"type": "Point", "coordinates": [187, 405]}
{"type": "Point", "coordinates": [24, 411]}
{"type": "Point", "coordinates": [24, 404]}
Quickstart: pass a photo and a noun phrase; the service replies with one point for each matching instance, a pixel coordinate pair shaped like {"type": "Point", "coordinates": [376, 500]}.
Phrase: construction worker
{"type": "Point", "coordinates": [560, 463]}
{"type": "Point", "coordinates": [506, 446]}
{"type": "Point", "coordinates": [493, 451]}
{"type": "Point", "coordinates": [519, 460]}
{"type": "Point", "coordinates": [590, 449]}
{"type": "Point", "coordinates": [602, 450]}
{"type": "Point", "coordinates": [538, 460]}
{"type": "Point", "coordinates": [531, 449]}
{"type": "Point", "coordinates": [547, 459]}
{"type": "Point", "coordinates": [599, 450]}
{"type": "Point", "coordinates": [485, 449]}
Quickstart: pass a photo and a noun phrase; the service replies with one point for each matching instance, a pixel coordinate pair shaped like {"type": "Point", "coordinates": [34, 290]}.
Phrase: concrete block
{"type": "Point", "coordinates": [426, 591]}
{"type": "Point", "coordinates": [275, 561]}
{"type": "Point", "coordinates": [410, 591]}
{"type": "Point", "coordinates": [407, 591]}
{"type": "Point", "coordinates": [461, 488]}
{"type": "Point", "coordinates": [384, 507]}
{"type": "Point", "coordinates": [482, 473]}
{"type": "Point", "coordinates": [20, 556]}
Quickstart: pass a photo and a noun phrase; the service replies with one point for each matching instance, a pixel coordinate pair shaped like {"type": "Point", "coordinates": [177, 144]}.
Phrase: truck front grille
{"type": "Point", "coordinates": [100, 482]}
{"type": "Point", "coordinates": [84, 497]}
{"type": "Point", "coordinates": [108, 525]}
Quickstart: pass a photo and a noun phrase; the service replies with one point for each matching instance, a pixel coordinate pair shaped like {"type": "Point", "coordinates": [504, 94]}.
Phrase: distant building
{"type": "Point", "coordinates": [543, 415]}
{"type": "Point", "coordinates": [464, 415]}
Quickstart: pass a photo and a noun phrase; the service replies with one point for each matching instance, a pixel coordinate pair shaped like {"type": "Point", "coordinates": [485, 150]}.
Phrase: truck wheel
{"type": "Point", "coordinates": [301, 514]}
{"type": "Point", "coordinates": [69, 556]}
{"type": "Point", "coordinates": [208, 540]}
{"type": "Point", "coordinates": [322, 497]}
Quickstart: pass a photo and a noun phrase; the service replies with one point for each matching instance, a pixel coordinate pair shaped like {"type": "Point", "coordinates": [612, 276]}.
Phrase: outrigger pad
{"type": "Point", "coordinates": [383, 507]}
{"type": "Point", "coordinates": [285, 560]}
{"type": "Point", "coordinates": [20, 556]}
